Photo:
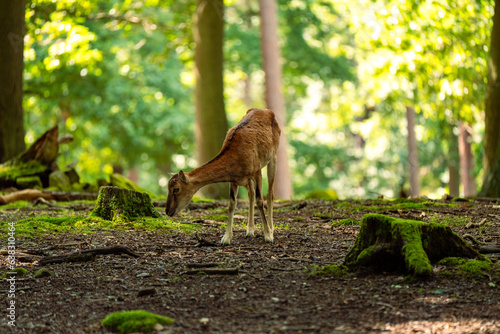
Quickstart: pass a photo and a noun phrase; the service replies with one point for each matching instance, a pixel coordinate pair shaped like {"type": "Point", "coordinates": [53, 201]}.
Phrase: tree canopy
{"type": "Point", "coordinates": [119, 76]}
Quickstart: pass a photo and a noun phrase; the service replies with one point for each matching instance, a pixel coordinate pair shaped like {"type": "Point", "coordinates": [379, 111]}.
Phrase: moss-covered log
{"type": "Point", "coordinates": [33, 165]}
{"type": "Point", "coordinates": [388, 244]}
{"type": "Point", "coordinates": [115, 203]}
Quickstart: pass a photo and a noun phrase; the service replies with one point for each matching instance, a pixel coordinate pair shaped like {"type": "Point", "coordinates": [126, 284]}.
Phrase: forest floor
{"type": "Point", "coordinates": [275, 289]}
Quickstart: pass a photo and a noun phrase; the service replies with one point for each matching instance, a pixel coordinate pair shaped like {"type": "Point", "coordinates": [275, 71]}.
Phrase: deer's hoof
{"type": "Point", "coordinates": [226, 240]}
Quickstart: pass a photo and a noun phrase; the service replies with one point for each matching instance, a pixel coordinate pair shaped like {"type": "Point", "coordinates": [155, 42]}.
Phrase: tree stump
{"type": "Point", "coordinates": [388, 244]}
{"type": "Point", "coordinates": [119, 204]}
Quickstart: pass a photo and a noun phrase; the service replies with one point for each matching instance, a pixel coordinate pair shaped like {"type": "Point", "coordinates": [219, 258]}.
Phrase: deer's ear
{"type": "Point", "coordinates": [183, 177]}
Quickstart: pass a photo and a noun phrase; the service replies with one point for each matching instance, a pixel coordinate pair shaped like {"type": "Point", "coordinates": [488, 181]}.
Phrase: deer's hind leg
{"type": "Point", "coordinates": [233, 194]}
{"type": "Point", "coordinates": [271, 174]}
{"type": "Point", "coordinates": [251, 202]}
{"type": "Point", "coordinates": [268, 232]}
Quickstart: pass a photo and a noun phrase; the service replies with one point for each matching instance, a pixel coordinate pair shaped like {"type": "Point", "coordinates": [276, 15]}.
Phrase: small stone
{"type": "Point", "coordinates": [41, 273]}
{"type": "Point", "coordinates": [146, 292]}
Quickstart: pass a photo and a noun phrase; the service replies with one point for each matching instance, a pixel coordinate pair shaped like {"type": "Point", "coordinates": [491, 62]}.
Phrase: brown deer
{"type": "Point", "coordinates": [249, 146]}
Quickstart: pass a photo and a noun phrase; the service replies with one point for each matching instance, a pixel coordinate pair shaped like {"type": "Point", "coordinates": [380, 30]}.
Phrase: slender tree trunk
{"type": "Point", "coordinates": [412, 153]}
{"type": "Point", "coordinates": [466, 161]}
{"type": "Point", "coordinates": [274, 97]}
{"type": "Point", "coordinates": [12, 30]}
{"type": "Point", "coordinates": [453, 164]}
{"type": "Point", "coordinates": [211, 122]}
{"type": "Point", "coordinates": [491, 183]}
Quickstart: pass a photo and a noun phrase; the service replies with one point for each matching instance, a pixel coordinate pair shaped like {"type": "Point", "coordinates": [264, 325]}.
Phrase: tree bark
{"type": "Point", "coordinates": [491, 182]}
{"type": "Point", "coordinates": [211, 122]}
{"type": "Point", "coordinates": [412, 153]}
{"type": "Point", "coordinates": [466, 161]}
{"type": "Point", "coordinates": [274, 97]}
{"type": "Point", "coordinates": [453, 164]}
{"type": "Point", "coordinates": [12, 30]}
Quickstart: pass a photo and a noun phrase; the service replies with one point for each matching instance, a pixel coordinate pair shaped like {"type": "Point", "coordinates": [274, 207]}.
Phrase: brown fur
{"type": "Point", "coordinates": [249, 146]}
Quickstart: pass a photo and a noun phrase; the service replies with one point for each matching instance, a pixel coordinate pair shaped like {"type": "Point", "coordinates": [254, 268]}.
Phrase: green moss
{"type": "Point", "coordinates": [333, 270]}
{"type": "Point", "coordinates": [19, 273]}
{"type": "Point", "coordinates": [322, 216]}
{"type": "Point", "coordinates": [9, 174]}
{"type": "Point", "coordinates": [328, 195]}
{"type": "Point", "coordinates": [347, 221]}
{"type": "Point", "coordinates": [469, 268]}
{"type": "Point", "coordinates": [42, 272]}
{"type": "Point", "coordinates": [219, 218]}
{"type": "Point", "coordinates": [38, 226]}
{"type": "Point", "coordinates": [134, 321]}
{"type": "Point", "coordinates": [121, 181]}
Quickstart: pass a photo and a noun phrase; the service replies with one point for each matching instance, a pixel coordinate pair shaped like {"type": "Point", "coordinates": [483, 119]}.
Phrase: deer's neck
{"type": "Point", "coordinates": [217, 170]}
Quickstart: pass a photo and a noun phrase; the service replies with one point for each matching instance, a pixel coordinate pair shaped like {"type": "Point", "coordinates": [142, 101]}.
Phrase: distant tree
{"type": "Point", "coordinates": [211, 122]}
{"type": "Point", "coordinates": [412, 153]}
{"type": "Point", "coordinates": [274, 96]}
{"type": "Point", "coordinates": [491, 183]}
{"type": "Point", "coordinates": [12, 30]}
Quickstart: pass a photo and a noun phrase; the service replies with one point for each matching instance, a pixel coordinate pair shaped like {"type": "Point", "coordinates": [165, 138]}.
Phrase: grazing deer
{"type": "Point", "coordinates": [248, 147]}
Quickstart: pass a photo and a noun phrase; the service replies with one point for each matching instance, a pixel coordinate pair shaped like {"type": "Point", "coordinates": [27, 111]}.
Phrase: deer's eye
{"type": "Point", "coordinates": [176, 190]}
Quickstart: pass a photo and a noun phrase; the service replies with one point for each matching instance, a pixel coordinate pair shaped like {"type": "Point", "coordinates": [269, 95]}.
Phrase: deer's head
{"type": "Point", "coordinates": [180, 193]}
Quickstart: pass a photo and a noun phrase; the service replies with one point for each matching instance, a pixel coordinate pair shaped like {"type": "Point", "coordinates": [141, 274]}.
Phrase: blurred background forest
{"type": "Point", "coordinates": [120, 77]}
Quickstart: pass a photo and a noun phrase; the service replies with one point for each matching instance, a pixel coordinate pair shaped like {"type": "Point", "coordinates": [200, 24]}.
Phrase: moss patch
{"type": "Point", "coordinates": [19, 272]}
{"type": "Point", "coordinates": [134, 321]}
{"type": "Point", "coordinates": [218, 218]}
{"type": "Point", "coordinates": [347, 221]}
{"type": "Point", "coordinates": [328, 195]}
{"type": "Point", "coordinates": [469, 268]}
{"type": "Point", "coordinates": [38, 226]}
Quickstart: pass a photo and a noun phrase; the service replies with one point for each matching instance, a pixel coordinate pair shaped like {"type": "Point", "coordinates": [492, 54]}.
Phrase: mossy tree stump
{"type": "Point", "coordinates": [389, 244]}
{"type": "Point", "coordinates": [116, 203]}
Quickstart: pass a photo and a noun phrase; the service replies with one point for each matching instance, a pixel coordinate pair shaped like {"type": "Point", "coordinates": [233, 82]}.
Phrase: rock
{"type": "Point", "coordinates": [59, 180]}
{"type": "Point", "coordinates": [119, 204]}
{"type": "Point", "coordinates": [31, 182]}
{"type": "Point", "coordinates": [41, 273]}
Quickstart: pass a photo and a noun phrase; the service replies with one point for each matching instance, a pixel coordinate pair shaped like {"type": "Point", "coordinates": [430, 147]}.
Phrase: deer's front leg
{"type": "Point", "coordinates": [233, 193]}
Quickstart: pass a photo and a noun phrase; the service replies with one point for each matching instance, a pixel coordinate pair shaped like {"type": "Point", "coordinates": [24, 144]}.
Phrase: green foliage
{"type": "Point", "coordinates": [134, 321]}
{"type": "Point", "coordinates": [119, 77]}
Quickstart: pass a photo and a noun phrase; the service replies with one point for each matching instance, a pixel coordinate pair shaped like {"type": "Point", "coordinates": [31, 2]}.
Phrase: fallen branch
{"type": "Point", "coordinates": [87, 255]}
{"type": "Point", "coordinates": [31, 194]}
{"type": "Point", "coordinates": [203, 265]}
{"type": "Point", "coordinates": [212, 271]}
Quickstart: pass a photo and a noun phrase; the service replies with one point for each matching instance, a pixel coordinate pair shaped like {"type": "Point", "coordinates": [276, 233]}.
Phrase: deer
{"type": "Point", "coordinates": [248, 147]}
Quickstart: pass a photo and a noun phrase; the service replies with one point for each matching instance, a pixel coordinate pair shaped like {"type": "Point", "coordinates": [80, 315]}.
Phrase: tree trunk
{"type": "Point", "coordinates": [453, 164]}
{"type": "Point", "coordinates": [491, 183]}
{"type": "Point", "coordinates": [211, 122]}
{"type": "Point", "coordinates": [412, 153]}
{"type": "Point", "coordinates": [274, 96]}
{"type": "Point", "coordinates": [119, 204]}
{"type": "Point", "coordinates": [466, 161]}
{"type": "Point", "coordinates": [12, 30]}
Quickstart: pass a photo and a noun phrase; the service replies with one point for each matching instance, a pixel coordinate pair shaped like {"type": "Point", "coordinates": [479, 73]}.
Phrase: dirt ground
{"type": "Point", "coordinates": [272, 291]}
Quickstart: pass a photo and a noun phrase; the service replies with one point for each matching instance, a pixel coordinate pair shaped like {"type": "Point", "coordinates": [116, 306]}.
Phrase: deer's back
{"type": "Point", "coordinates": [255, 137]}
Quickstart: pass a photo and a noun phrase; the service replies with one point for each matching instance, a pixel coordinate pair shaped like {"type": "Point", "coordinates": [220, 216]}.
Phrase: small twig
{"type": "Point", "coordinates": [471, 238]}
{"type": "Point", "coordinates": [87, 255]}
{"type": "Point", "coordinates": [212, 271]}
{"type": "Point", "coordinates": [203, 265]}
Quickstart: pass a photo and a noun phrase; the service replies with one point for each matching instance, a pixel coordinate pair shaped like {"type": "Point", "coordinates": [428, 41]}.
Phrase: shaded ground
{"type": "Point", "coordinates": [272, 293]}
